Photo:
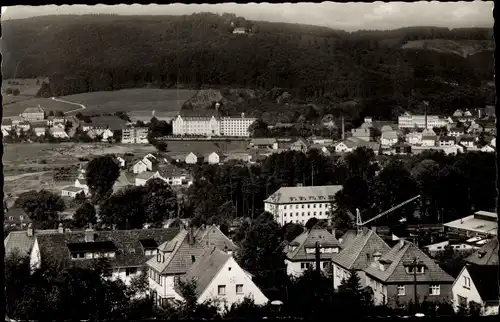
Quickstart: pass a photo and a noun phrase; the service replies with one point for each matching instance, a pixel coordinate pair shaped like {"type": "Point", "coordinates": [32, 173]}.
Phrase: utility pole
{"type": "Point", "coordinates": [318, 261]}
{"type": "Point", "coordinates": [414, 265]}
{"type": "Point", "coordinates": [312, 174]}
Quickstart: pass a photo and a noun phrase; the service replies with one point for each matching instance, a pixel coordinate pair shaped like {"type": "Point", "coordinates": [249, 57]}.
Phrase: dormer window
{"type": "Point", "coordinates": [158, 258]}
{"type": "Point", "coordinates": [420, 269]}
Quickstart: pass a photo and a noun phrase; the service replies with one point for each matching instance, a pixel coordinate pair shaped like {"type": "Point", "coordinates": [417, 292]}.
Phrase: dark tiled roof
{"type": "Point", "coordinates": [205, 269]}
{"type": "Point", "coordinates": [485, 279]}
{"type": "Point", "coordinates": [170, 170]}
{"type": "Point", "coordinates": [130, 251]}
{"type": "Point", "coordinates": [359, 253]}
{"type": "Point", "coordinates": [111, 122]}
{"type": "Point", "coordinates": [395, 272]}
{"type": "Point", "coordinates": [486, 255]}
{"type": "Point", "coordinates": [16, 214]}
{"type": "Point", "coordinates": [347, 238]}
{"type": "Point", "coordinates": [447, 138]}
{"type": "Point", "coordinates": [106, 245]}
{"type": "Point", "coordinates": [6, 122]}
{"type": "Point", "coordinates": [148, 243]}
{"type": "Point", "coordinates": [177, 254]}
{"type": "Point", "coordinates": [308, 239]}
{"type": "Point", "coordinates": [213, 236]}
{"type": "Point", "coordinates": [21, 242]}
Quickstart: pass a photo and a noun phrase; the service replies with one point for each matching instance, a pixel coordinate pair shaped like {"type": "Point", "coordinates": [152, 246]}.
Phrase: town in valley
{"type": "Point", "coordinates": [205, 165]}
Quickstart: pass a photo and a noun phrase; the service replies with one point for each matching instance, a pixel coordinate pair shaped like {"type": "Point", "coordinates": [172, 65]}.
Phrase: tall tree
{"type": "Point", "coordinates": [85, 215]}
{"type": "Point", "coordinates": [160, 202]}
{"type": "Point", "coordinates": [125, 209]}
{"type": "Point", "coordinates": [101, 176]}
{"type": "Point", "coordinates": [41, 206]}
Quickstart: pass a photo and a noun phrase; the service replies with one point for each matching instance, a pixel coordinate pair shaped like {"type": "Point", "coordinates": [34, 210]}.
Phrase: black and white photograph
{"type": "Point", "coordinates": [249, 161]}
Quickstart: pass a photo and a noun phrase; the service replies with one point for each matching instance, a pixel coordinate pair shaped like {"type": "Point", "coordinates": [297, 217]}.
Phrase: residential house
{"type": "Point", "coordinates": [429, 140]}
{"type": "Point", "coordinates": [24, 125]}
{"type": "Point", "coordinates": [173, 259]}
{"type": "Point", "coordinates": [220, 279]}
{"type": "Point", "coordinates": [458, 113]}
{"type": "Point", "coordinates": [215, 158]}
{"type": "Point", "coordinates": [299, 204]}
{"type": "Point", "coordinates": [15, 219]}
{"type": "Point", "coordinates": [364, 132]}
{"type": "Point", "coordinates": [142, 178]}
{"type": "Point", "coordinates": [239, 30]}
{"type": "Point", "coordinates": [320, 140]}
{"type": "Point", "coordinates": [58, 131]}
{"type": "Point", "coordinates": [39, 127]}
{"type": "Point", "coordinates": [414, 138]}
{"type": "Point", "coordinates": [54, 120]}
{"type": "Point", "coordinates": [174, 175]}
{"type": "Point", "coordinates": [7, 124]}
{"type": "Point", "coordinates": [456, 131]}
{"type": "Point", "coordinates": [345, 146]}
{"type": "Point", "coordinates": [5, 133]}
{"type": "Point", "coordinates": [33, 114]}
{"type": "Point", "coordinates": [358, 250]}
{"type": "Point", "coordinates": [264, 143]}
{"type": "Point", "coordinates": [148, 163]}
{"type": "Point", "coordinates": [389, 138]}
{"type": "Point", "coordinates": [22, 241]}
{"type": "Point", "coordinates": [474, 128]}
{"type": "Point", "coordinates": [392, 276]}
{"type": "Point", "coordinates": [126, 250]}
{"type": "Point", "coordinates": [86, 126]}
{"type": "Point", "coordinates": [301, 145]}
{"type": "Point", "coordinates": [121, 161]}
{"type": "Point", "coordinates": [493, 142]}
{"type": "Point", "coordinates": [325, 150]}
{"type": "Point", "coordinates": [71, 191]}
{"type": "Point", "coordinates": [194, 158]}
{"type": "Point", "coordinates": [478, 284]}
{"type": "Point", "coordinates": [469, 142]}
{"type": "Point", "coordinates": [301, 252]}
{"type": "Point", "coordinates": [490, 127]}
{"type": "Point", "coordinates": [402, 148]}
{"type": "Point", "coordinates": [386, 128]}
{"type": "Point", "coordinates": [486, 255]}
{"type": "Point", "coordinates": [488, 148]}
{"type": "Point", "coordinates": [211, 236]}
{"type": "Point", "coordinates": [446, 141]}
{"type": "Point", "coordinates": [81, 180]}
{"type": "Point", "coordinates": [135, 135]}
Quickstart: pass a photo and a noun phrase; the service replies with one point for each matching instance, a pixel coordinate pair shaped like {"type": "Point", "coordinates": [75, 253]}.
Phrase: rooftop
{"type": "Point", "coordinates": [307, 240]}
{"type": "Point", "coordinates": [485, 280]}
{"type": "Point", "coordinates": [20, 241]}
{"type": "Point", "coordinates": [480, 222]}
{"type": "Point", "coordinates": [36, 109]}
{"type": "Point", "coordinates": [213, 236]}
{"type": "Point", "coordinates": [304, 194]}
{"type": "Point", "coordinates": [486, 255]}
{"type": "Point", "coordinates": [395, 271]}
{"type": "Point", "coordinates": [358, 253]}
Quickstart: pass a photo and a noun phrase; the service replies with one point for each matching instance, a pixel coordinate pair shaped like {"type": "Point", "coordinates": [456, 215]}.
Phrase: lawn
{"type": "Point", "coordinates": [16, 108]}
{"type": "Point", "coordinates": [132, 100]}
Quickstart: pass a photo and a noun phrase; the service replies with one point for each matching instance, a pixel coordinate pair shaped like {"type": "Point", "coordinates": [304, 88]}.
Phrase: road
{"type": "Point", "coordinates": [82, 107]}
{"type": "Point", "coordinates": [20, 176]}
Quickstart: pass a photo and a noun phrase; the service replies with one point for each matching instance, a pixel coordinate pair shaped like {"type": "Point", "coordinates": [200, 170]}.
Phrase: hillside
{"type": "Point", "coordinates": [462, 48]}
{"type": "Point", "coordinates": [313, 64]}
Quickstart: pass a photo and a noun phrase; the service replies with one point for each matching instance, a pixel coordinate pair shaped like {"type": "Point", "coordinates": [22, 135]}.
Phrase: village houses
{"type": "Point", "coordinates": [194, 158]}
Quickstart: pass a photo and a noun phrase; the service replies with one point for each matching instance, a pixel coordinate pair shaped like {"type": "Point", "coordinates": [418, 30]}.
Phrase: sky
{"type": "Point", "coordinates": [346, 16]}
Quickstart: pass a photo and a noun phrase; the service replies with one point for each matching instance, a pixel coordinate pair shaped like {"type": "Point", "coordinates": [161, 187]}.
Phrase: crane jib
{"type": "Point", "coordinates": [359, 223]}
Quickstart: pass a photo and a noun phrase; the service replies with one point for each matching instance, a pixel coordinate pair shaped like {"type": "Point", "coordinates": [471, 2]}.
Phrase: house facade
{"type": "Point", "coordinates": [389, 138]}
{"type": "Point", "coordinates": [264, 143]}
{"type": "Point", "coordinates": [138, 135]}
{"type": "Point", "coordinates": [301, 252]}
{"type": "Point", "coordinates": [194, 158]}
{"type": "Point", "coordinates": [301, 145]}
{"type": "Point", "coordinates": [33, 114]}
{"type": "Point", "coordinates": [212, 126]}
{"type": "Point", "coordinates": [299, 204]}
{"type": "Point", "coordinates": [408, 120]}
{"type": "Point", "coordinates": [215, 158]}
{"type": "Point", "coordinates": [391, 276]}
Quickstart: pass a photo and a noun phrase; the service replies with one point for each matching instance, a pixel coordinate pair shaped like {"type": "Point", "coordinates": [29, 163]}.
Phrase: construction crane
{"type": "Point", "coordinates": [360, 224]}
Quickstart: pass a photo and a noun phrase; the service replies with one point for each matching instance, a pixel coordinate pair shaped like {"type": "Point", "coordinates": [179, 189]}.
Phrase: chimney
{"type": "Point", "coordinates": [374, 229]}
{"type": "Point", "coordinates": [60, 228]}
{"type": "Point", "coordinates": [89, 235]}
{"type": "Point", "coordinates": [30, 231]}
{"type": "Point", "coordinates": [376, 256]}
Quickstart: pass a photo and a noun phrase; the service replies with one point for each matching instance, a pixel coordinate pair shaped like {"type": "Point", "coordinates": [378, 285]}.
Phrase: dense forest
{"type": "Point", "coordinates": [312, 64]}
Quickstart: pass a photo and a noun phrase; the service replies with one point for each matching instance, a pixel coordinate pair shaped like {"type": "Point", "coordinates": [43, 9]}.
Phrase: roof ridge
{"type": "Point", "coordinates": [400, 257]}
{"type": "Point", "coordinates": [363, 247]}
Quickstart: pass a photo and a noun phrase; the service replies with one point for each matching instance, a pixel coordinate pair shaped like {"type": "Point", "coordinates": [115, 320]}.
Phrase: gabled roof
{"type": "Point", "coordinates": [263, 141]}
{"type": "Point", "coordinates": [197, 154]}
{"type": "Point", "coordinates": [395, 271]}
{"type": "Point", "coordinates": [445, 138]}
{"type": "Point", "coordinates": [429, 137]}
{"type": "Point", "coordinates": [304, 194]}
{"type": "Point", "coordinates": [428, 132]}
{"type": "Point", "coordinates": [36, 109]}
{"type": "Point", "coordinates": [466, 138]}
{"type": "Point", "coordinates": [6, 121]}
{"type": "Point", "coordinates": [16, 213]}
{"type": "Point", "coordinates": [485, 280]}
{"type": "Point", "coordinates": [359, 252]}
{"type": "Point", "coordinates": [177, 254]}
{"type": "Point", "coordinates": [130, 251]}
{"type": "Point", "coordinates": [205, 269]}
{"type": "Point", "coordinates": [366, 125]}
{"type": "Point", "coordinates": [38, 124]}
{"type": "Point", "coordinates": [301, 141]}
{"type": "Point", "coordinates": [20, 241]}
{"type": "Point", "coordinates": [348, 143]}
{"type": "Point", "coordinates": [170, 170]}
{"type": "Point", "coordinates": [213, 236]}
{"type": "Point", "coordinates": [308, 239]}
{"type": "Point", "coordinates": [145, 175]}
{"type": "Point", "coordinates": [486, 255]}
{"type": "Point", "coordinates": [389, 135]}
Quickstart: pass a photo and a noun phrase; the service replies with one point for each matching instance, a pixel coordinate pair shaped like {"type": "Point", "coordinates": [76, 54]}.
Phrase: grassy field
{"type": "Point", "coordinates": [132, 100]}
{"type": "Point", "coordinates": [463, 48]}
{"type": "Point", "coordinates": [47, 104]}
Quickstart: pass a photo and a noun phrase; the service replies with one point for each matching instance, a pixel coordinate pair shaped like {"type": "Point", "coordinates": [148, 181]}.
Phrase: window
{"type": "Point", "coordinates": [11, 218]}
{"type": "Point", "coordinates": [462, 301]}
{"type": "Point", "coordinates": [130, 271]}
{"type": "Point", "coordinates": [435, 290]}
{"type": "Point", "coordinates": [239, 288]}
{"type": "Point", "coordinates": [284, 207]}
{"type": "Point", "coordinates": [193, 259]}
{"type": "Point", "coordinates": [302, 206]}
{"type": "Point", "coordinates": [401, 290]}
{"type": "Point", "coordinates": [308, 206]}
{"type": "Point", "coordinates": [221, 290]}
{"type": "Point", "coordinates": [466, 282]}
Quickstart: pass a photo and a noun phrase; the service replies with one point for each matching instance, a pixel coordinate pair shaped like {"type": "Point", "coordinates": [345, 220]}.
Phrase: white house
{"type": "Point", "coordinates": [356, 254]}
{"type": "Point", "coordinates": [299, 204]}
{"type": "Point", "coordinates": [121, 161]}
{"type": "Point", "coordinates": [107, 134]}
{"type": "Point", "coordinates": [414, 138]}
{"type": "Point", "coordinates": [5, 132]}
{"type": "Point", "coordinates": [488, 148]}
{"type": "Point", "coordinates": [142, 178]}
{"type": "Point", "coordinates": [39, 131]}
{"type": "Point", "coordinates": [81, 180]}
{"type": "Point", "coordinates": [71, 191]}
{"type": "Point", "coordinates": [429, 140]}
{"type": "Point", "coordinates": [57, 131]}
{"type": "Point", "coordinates": [301, 252]}
{"type": "Point", "coordinates": [456, 131]}
{"type": "Point", "coordinates": [194, 158]}
{"type": "Point", "coordinates": [264, 143]}
{"type": "Point", "coordinates": [345, 146]}
{"type": "Point", "coordinates": [215, 158]}
{"type": "Point", "coordinates": [389, 138]}
{"type": "Point", "coordinates": [493, 142]}
{"type": "Point", "coordinates": [477, 284]}
{"type": "Point", "coordinates": [173, 259]}
{"type": "Point", "coordinates": [130, 249]}
{"type": "Point", "coordinates": [220, 279]}
{"type": "Point", "coordinates": [148, 163]}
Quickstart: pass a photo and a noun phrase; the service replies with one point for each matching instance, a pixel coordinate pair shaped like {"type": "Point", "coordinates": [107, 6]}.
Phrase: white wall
{"type": "Point", "coordinates": [140, 167]}
{"type": "Point", "coordinates": [285, 213]}
{"type": "Point", "coordinates": [379, 290]}
{"type": "Point", "coordinates": [470, 293]}
{"type": "Point", "coordinates": [296, 269]}
{"type": "Point", "coordinates": [213, 158]}
{"type": "Point", "coordinates": [35, 260]}
{"type": "Point", "coordinates": [231, 275]}
{"type": "Point", "coordinates": [191, 159]}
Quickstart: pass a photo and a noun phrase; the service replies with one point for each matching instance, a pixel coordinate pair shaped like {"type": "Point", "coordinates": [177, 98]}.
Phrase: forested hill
{"type": "Point", "coordinates": [106, 52]}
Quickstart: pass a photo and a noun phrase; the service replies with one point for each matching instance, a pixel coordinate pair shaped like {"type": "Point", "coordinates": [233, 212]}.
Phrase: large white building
{"type": "Point", "coordinates": [212, 125]}
{"type": "Point", "coordinates": [408, 120]}
{"type": "Point", "coordinates": [299, 204]}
